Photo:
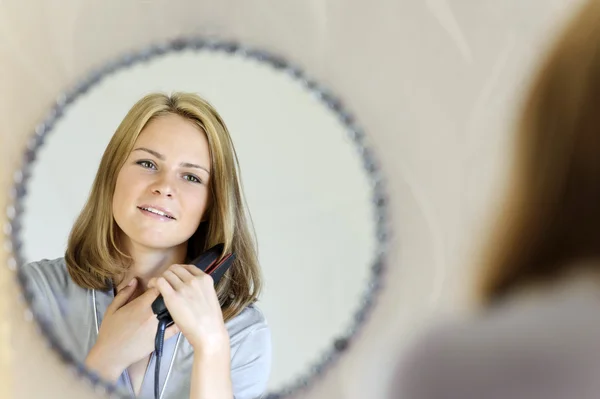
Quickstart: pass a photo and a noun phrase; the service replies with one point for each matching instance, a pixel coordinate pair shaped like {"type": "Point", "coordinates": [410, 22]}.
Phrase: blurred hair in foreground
{"type": "Point", "coordinates": [551, 223]}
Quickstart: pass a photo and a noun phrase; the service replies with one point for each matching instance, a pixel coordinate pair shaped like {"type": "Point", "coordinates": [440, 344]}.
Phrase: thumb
{"type": "Point", "coordinates": [122, 297]}
{"type": "Point", "coordinates": [148, 296]}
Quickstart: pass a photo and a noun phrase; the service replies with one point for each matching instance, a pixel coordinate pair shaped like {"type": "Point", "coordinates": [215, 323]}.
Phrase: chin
{"type": "Point", "coordinates": [159, 244]}
{"type": "Point", "coordinates": [156, 240]}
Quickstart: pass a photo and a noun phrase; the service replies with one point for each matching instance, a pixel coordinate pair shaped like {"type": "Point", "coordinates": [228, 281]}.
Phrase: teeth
{"type": "Point", "coordinates": [157, 212]}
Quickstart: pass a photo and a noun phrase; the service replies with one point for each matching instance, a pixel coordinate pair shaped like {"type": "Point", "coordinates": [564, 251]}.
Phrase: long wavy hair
{"type": "Point", "coordinates": [94, 256]}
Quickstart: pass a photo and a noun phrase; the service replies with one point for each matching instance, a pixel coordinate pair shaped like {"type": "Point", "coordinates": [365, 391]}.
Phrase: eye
{"type": "Point", "coordinates": [146, 164]}
{"type": "Point", "coordinates": [192, 178]}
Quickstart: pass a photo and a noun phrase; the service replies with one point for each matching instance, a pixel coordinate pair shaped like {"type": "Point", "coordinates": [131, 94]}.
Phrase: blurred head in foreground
{"type": "Point", "coordinates": [550, 226]}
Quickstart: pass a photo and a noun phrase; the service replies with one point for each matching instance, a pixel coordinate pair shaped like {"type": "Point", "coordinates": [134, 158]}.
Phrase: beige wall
{"type": "Point", "coordinates": [435, 83]}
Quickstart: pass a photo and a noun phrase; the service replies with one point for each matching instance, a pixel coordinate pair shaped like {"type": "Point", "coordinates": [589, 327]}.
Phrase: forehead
{"type": "Point", "coordinates": [173, 135]}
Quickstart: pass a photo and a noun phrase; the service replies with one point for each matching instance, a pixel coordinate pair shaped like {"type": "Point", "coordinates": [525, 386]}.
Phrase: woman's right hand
{"type": "Point", "coordinates": [126, 334]}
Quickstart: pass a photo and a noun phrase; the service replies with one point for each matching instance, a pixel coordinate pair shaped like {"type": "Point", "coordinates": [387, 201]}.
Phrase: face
{"type": "Point", "coordinates": [162, 189]}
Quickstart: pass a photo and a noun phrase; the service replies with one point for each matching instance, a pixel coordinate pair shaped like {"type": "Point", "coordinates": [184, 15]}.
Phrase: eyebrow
{"type": "Point", "coordinates": [162, 157]}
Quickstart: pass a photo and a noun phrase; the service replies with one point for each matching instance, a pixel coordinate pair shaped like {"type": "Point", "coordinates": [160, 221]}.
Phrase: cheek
{"type": "Point", "coordinates": [128, 184]}
{"type": "Point", "coordinates": [119, 195]}
{"type": "Point", "coordinates": [121, 184]}
{"type": "Point", "coordinates": [195, 205]}
{"type": "Point", "coordinates": [125, 188]}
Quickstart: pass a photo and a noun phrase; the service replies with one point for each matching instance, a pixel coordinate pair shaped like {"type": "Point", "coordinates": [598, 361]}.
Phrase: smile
{"type": "Point", "coordinates": [155, 211]}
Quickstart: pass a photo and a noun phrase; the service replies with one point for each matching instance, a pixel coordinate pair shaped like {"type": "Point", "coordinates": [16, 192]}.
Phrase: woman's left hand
{"type": "Point", "coordinates": [190, 297]}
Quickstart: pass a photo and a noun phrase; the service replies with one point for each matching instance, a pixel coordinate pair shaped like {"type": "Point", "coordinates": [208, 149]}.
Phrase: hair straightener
{"type": "Point", "coordinates": [211, 262]}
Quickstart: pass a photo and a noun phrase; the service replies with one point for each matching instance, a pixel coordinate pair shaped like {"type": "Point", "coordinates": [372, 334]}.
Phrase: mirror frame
{"type": "Point", "coordinates": [379, 198]}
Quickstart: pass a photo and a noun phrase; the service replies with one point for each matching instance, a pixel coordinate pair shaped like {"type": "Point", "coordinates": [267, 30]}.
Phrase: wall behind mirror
{"type": "Point", "coordinates": [449, 98]}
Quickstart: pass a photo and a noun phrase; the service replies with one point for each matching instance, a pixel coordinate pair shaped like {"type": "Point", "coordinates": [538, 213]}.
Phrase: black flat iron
{"type": "Point", "coordinates": [210, 264]}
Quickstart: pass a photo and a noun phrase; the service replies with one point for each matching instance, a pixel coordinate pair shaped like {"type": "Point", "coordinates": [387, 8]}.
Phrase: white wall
{"type": "Point", "coordinates": [435, 83]}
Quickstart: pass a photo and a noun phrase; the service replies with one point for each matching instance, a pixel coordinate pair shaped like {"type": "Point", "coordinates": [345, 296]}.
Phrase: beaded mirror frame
{"type": "Point", "coordinates": [379, 199]}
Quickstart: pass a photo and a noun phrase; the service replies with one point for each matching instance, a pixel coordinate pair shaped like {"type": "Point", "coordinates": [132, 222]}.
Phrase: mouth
{"type": "Point", "coordinates": [157, 211]}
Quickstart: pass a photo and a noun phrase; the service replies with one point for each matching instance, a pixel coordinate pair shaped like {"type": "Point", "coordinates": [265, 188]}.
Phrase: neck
{"type": "Point", "coordinates": [150, 262]}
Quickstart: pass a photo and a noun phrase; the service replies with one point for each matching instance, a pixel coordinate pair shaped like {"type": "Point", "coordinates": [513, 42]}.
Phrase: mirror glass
{"type": "Point", "coordinates": [310, 197]}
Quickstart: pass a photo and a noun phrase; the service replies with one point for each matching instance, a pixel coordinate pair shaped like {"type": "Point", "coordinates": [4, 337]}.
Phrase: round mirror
{"type": "Point", "coordinates": [311, 186]}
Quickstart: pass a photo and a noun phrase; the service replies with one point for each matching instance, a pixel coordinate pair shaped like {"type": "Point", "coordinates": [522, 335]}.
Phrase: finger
{"type": "Point", "coordinates": [165, 288]}
{"type": "Point", "coordinates": [173, 279]}
{"type": "Point", "coordinates": [171, 331]}
{"type": "Point", "coordinates": [199, 274]}
{"type": "Point", "coordinates": [194, 270]}
{"type": "Point", "coordinates": [147, 297]}
{"type": "Point", "coordinates": [182, 272]}
{"type": "Point", "coordinates": [152, 283]}
{"type": "Point", "coordinates": [122, 297]}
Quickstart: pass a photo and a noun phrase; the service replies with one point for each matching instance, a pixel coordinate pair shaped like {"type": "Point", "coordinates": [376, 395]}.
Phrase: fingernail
{"type": "Point", "coordinates": [131, 282]}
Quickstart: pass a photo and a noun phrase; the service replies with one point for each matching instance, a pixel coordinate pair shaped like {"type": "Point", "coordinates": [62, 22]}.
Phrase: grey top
{"type": "Point", "coordinates": [74, 315]}
{"type": "Point", "coordinates": [544, 346]}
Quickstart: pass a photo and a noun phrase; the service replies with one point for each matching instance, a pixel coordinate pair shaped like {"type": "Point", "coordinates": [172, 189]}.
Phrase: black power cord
{"type": "Point", "coordinates": [158, 349]}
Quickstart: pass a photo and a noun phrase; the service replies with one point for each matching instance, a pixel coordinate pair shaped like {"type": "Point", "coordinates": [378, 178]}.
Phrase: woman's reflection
{"type": "Point", "coordinates": [167, 188]}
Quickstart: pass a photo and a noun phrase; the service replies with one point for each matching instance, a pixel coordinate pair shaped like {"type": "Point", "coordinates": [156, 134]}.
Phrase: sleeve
{"type": "Point", "coordinates": [36, 291]}
{"type": "Point", "coordinates": [54, 310]}
{"type": "Point", "coordinates": [251, 365]}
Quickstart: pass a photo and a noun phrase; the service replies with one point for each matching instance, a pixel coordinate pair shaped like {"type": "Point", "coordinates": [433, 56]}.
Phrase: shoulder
{"type": "Point", "coordinates": [46, 276]}
{"type": "Point", "coordinates": [248, 320]}
{"type": "Point", "coordinates": [503, 349]}
{"type": "Point", "coordinates": [445, 360]}
{"type": "Point", "coordinates": [58, 303]}
{"type": "Point", "coordinates": [50, 288]}
{"type": "Point", "coordinates": [249, 323]}
{"type": "Point", "coordinates": [250, 339]}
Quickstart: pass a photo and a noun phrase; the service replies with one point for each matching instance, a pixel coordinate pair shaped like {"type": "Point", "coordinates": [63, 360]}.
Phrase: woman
{"type": "Point", "coordinates": [538, 332]}
{"type": "Point", "coordinates": [167, 189]}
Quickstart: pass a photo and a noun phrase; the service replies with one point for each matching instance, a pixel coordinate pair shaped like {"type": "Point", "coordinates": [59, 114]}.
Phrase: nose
{"type": "Point", "coordinates": [163, 186]}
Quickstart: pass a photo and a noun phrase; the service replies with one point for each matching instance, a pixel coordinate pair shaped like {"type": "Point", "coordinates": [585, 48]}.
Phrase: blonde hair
{"type": "Point", "coordinates": [94, 257]}
{"type": "Point", "coordinates": [552, 223]}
